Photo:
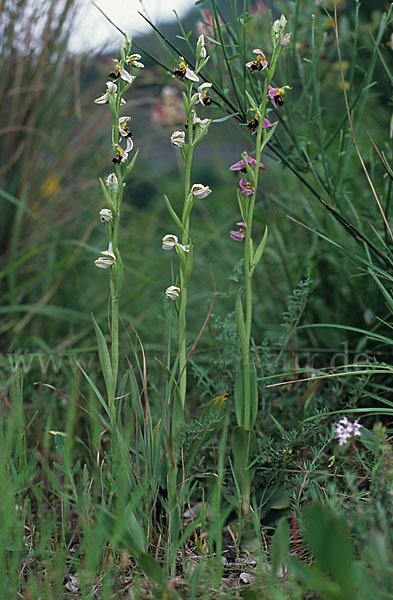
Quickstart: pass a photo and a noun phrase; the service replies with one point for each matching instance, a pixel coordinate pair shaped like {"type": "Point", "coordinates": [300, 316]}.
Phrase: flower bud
{"type": "Point", "coordinates": [286, 40]}
{"type": "Point", "coordinates": [279, 25]}
{"type": "Point", "coordinates": [200, 49]}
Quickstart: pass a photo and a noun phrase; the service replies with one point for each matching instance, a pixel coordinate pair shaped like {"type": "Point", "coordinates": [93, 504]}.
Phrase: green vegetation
{"type": "Point", "coordinates": [204, 445]}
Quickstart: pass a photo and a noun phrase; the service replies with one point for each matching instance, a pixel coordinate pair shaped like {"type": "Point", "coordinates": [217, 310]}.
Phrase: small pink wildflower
{"type": "Point", "coordinates": [240, 234]}
{"type": "Point", "coordinates": [346, 430]}
{"type": "Point", "coordinates": [239, 166]}
{"type": "Point", "coordinates": [246, 188]}
{"type": "Point", "coordinates": [207, 28]}
{"type": "Point", "coordinates": [259, 64]}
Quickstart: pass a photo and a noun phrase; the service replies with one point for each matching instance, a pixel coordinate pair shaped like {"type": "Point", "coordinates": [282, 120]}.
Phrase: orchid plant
{"type": "Point", "coordinates": [246, 391]}
{"type": "Point", "coordinates": [112, 189]}
{"type": "Point", "coordinates": [186, 141]}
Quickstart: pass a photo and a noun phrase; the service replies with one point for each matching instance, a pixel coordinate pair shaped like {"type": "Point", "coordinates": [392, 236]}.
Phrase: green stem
{"type": "Point", "coordinates": [183, 286]}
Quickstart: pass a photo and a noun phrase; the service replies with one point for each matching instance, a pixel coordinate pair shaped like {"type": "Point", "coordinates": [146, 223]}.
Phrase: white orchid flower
{"type": "Point", "coordinates": [202, 94]}
{"type": "Point", "coordinates": [112, 182]}
{"type": "Point", "coordinates": [122, 153]}
{"type": "Point", "coordinates": [123, 128]}
{"type": "Point", "coordinates": [106, 215]}
{"type": "Point", "coordinates": [107, 259]}
{"type": "Point", "coordinates": [200, 191]}
{"type": "Point", "coordinates": [178, 138]}
{"type": "Point", "coordinates": [169, 241]}
{"type": "Point", "coordinates": [133, 61]}
{"type": "Point", "coordinates": [111, 89]}
{"type": "Point", "coordinates": [172, 292]}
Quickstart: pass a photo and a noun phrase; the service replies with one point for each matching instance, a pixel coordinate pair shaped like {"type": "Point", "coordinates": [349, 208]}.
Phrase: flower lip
{"type": "Point", "coordinates": [276, 95]}
{"type": "Point", "coordinates": [239, 166]}
{"type": "Point", "coordinates": [259, 64]}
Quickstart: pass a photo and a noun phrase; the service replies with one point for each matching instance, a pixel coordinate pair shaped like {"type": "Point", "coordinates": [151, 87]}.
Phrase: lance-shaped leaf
{"type": "Point", "coordinates": [239, 318]}
{"type": "Point", "coordinates": [267, 134]}
{"type": "Point", "coordinates": [105, 360]}
{"type": "Point", "coordinates": [259, 252]}
{"type": "Point", "coordinates": [251, 101]}
{"type": "Point", "coordinates": [243, 205]}
{"type": "Point", "coordinates": [244, 447]}
{"type": "Point", "coordinates": [173, 214]}
{"type": "Point", "coordinates": [129, 167]}
{"type": "Point", "coordinates": [188, 204]}
{"type": "Point", "coordinates": [239, 395]}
